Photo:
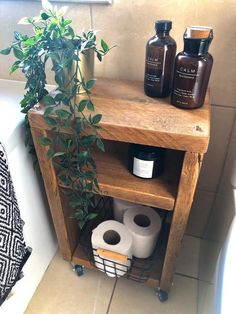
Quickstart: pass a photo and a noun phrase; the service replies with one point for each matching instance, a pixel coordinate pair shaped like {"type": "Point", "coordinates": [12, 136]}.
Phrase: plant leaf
{"type": "Point", "coordinates": [90, 84]}
{"type": "Point", "coordinates": [82, 104]}
{"type": "Point", "coordinates": [15, 66]}
{"type": "Point", "coordinates": [60, 78]}
{"type": "Point", "coordinates": [81, 224]}
{"type": "Point", "coordinates": [104, 45]}
{"type": "Point", "coordinates": [30, 42]}
{"type": "Point", "coordinates": [100, 144]}
{"type": "Point", "coordinates": [91, 216]}
{"type": "Point", "coordinates": [50, 121]}
{"type": "Point", "coordinates": [50, 153]}
{"type": "Point", "coordinates": [44, 16]}
{"type": "Point", "coordinates": [62, 11]}
{"type": "Point", "coordinates": [58, 154]}
{"type": "Point", "coordinates": [59, 97]}
{"type": "Point", "coordinates": [90, 105]}
{"type": "Point", "coordinates": [61, 141]}
{"type": "Point", "coordinates": [49, 100]}
{"type": "Point", "coordinates": [45, 141]}
{"type": "Point", "coordinates": [48, 111]}
{"type": "Point", "coordinates": [67, 22]}
{"type": "Point", "coordinates": [74, 203]}
{"type": "Point", "coordinates": [47, 6]}
{"type": "Point", "coordinates": [82, 156]}
{"type": "Point", "coordinates": [5, 51]}
{"type": "Point", "coordinates": [24, 21]}
{"type": "Point", "coordinates": [18, 53]}
{"type": "Point", "coordinates": [65, 179]}
{"type": "Point", "coordinates": [96, 119]}
{"type": "Point", "coordinates": [88, 140]}
{"type": "Point", "coordinates": [99, 56]}
{"type": "Point", "coordinates": [61, 113]}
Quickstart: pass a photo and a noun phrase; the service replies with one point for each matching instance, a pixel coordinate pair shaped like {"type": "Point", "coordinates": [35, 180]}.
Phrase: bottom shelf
{"type": "Point", "coordinates": [141, 270]}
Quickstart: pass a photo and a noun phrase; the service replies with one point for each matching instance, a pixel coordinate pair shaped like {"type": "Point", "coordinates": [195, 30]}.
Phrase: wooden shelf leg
{"type": "Point", "coordinates": [62, 223]}
{"type": "Point", "coordinates": [187, 184]}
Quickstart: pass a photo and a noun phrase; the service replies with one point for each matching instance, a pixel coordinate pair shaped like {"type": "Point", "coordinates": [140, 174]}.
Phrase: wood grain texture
{"type": "Point", "coordinates": [107, 254]}
{"type": "Point", "coordinates": [131, 116]}
{"type": "Point", "coordinates": [65, 227]}
{"type": "Point", "coordinates": [187, 185]}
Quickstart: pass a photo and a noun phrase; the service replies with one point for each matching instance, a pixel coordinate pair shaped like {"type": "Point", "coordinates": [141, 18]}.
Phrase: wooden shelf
{"type": "Point", "coordinates": [131, 116]}
{"type": "Point", "coordinates": [115, 180]}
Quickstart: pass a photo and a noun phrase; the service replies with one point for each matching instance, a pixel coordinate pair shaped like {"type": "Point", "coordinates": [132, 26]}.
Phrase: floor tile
{"type": "Point", "coordinates": [209, 252]}
{"type": "Point", "coordinates": [188, 259]}
{"type": "Point", "coordinates": [206, 293]}
{"type": "Point", "coordinates": [134, 298]}
{"type": "Point", "coordinates": [62, 292]}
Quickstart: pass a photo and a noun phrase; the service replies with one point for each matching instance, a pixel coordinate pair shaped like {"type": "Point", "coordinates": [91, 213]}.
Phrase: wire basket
{"type": "Point", "coordinates": [115, 264]}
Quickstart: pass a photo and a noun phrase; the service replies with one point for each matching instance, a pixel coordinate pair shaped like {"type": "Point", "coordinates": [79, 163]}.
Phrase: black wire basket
{"type": "Point", "coordinates": [115, 264]}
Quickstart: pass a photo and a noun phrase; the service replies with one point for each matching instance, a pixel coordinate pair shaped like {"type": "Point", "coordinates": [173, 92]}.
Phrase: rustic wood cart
{"type": "Point", "coordinates": [131, 117]}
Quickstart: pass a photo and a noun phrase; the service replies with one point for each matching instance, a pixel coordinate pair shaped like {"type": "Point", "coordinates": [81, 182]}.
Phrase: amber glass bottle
{"type": "Point", "coordinates": [160, 55]}
{"type": "Point", "coordinates": [192, 68]}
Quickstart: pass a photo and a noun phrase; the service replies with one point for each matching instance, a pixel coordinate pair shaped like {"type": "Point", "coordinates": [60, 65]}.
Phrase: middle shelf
{"type": "Point", "coordinates": [115, 180]}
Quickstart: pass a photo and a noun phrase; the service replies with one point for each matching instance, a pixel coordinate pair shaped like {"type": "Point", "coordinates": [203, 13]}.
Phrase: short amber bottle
{"type": "Point", "coordinates": [192, 68]}
{"type": "Point", "coordinates": [159, 63]}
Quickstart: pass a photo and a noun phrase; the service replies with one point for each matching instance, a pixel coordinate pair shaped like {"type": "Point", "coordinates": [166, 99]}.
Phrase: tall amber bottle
{"type": "Point", "coordinates": [192, 68]}
{"type": "Point", "coordinates": [159, 63]}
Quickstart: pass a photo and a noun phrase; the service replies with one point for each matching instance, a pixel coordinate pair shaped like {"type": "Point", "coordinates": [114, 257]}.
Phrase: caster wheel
{"type": "Point", "coordinates": [162, 295]}
{"type": "Point", "coordinates": [79, 270]}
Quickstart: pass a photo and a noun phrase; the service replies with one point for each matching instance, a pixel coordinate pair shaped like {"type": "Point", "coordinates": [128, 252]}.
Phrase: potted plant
{"type": "Point", "coordinates": [71, 149]}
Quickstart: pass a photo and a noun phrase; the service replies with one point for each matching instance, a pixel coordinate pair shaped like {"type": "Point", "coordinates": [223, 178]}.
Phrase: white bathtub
{"type": "Point", "coordinates": [38, 230]}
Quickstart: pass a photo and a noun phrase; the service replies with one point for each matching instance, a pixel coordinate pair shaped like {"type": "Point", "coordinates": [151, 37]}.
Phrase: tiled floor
{"type": "Point", "coordinates": [62, 292]}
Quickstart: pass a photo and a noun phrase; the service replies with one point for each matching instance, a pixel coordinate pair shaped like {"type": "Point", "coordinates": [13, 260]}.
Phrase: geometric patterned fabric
{"type": "Point", "coordinates": [13, 251]}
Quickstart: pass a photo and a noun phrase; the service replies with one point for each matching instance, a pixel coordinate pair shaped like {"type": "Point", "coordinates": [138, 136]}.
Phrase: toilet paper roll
{"type": "Point", "coordinates": [144, 224]}
{"type": "Point", "coordinates": [112, 241]}
{"type": "Point", "coordinates": [119, 208]}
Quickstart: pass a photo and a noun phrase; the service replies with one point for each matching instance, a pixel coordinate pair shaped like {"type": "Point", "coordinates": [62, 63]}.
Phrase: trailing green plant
{"type": "Point", "coordinates": [73, 122]}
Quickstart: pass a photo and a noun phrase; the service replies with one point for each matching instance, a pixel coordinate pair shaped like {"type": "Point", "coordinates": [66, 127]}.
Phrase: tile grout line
{"type": "Point", "coordinates": [196, 278]}
{"type": "Point", "coordinates": [222, 106]}
{"type": "Point", "coordinates": [200, 238]}
{"type": "Point", "coordinates": [186, 276]}
{"type": "Point", "coordinates": [113, 291]}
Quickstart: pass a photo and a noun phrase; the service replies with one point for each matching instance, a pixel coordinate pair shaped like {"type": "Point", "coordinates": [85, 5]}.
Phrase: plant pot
{"type": "Point", "coordinates": [86, 65]}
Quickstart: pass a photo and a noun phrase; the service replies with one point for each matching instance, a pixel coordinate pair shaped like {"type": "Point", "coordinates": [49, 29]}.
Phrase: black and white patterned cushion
{"type": "Point", "coordinates": [13, 251]}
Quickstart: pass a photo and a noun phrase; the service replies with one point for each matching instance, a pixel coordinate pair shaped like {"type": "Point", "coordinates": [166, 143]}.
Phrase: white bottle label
{"type": "Point", "coordinates": [143, 168]}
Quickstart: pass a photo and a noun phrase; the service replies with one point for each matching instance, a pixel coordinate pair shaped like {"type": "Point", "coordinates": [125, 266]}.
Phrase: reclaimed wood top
{"type": "Point", "coordinates": [131, 116]}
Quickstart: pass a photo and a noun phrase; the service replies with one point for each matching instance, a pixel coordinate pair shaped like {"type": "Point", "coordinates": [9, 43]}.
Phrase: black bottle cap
{"type": "Point", "coordinates": [163, 25]}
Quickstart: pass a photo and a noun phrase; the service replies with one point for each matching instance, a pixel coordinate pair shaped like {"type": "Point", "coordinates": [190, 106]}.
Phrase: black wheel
{"type": "Point", "coordinates": [79, 270]}
{"type": "Point", "coordinates": [162, 295]}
